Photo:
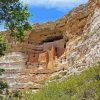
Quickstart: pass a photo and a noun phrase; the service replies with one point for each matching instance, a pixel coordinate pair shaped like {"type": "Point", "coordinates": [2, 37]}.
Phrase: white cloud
{"type": "Point", "coordinates": [59, 4]}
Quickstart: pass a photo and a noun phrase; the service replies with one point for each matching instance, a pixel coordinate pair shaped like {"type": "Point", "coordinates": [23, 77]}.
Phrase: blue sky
{"type": "Point", "coordinates": [49, 10]}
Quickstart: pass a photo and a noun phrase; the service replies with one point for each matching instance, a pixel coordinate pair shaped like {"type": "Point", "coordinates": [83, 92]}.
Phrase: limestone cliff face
{"type": "Point", "coordinates": [71, 25]}
{"type": "Point", "coordinates": [84, 51]}
{"type": "Point", "coordinates": [69, 44]}
{"type": "Point", "coordinates": [12, 63]}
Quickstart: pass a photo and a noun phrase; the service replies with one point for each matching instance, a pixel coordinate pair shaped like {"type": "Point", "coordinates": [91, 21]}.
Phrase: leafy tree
{"type": "Point", "coordinates": [14, 15]}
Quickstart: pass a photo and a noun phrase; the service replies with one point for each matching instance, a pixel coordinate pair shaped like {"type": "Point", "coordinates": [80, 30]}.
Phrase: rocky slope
{"type": "Point", "coordinates": [70, 44]}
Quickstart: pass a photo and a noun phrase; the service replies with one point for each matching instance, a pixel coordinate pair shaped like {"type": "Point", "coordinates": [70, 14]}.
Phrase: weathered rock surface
{"type": "Point", "coordinates": [70, 44]}
{"type": "Point", "coordinates": [12, 63]}
{"type": "Point", "coordinates": [85, 50]}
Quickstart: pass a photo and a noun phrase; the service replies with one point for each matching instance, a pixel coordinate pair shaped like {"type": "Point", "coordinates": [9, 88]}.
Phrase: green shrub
{"type": "Point", "coordinates": [63, 73]}
{"type": "Point", "coordinates": [3, 85]}
{"type": "Point", "coordinates": [17, 94]}
{"type": "Point", "coordinates": [55, 77]}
